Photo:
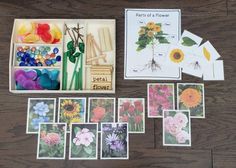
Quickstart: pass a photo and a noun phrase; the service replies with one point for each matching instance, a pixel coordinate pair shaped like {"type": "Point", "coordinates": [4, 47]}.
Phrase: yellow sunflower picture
{"type": "Point", "coordinates": [72, 110]}
{"type": "Point", "coordinates": [176, 55]}
{"type": "Point", "coordinates": [191, 96]}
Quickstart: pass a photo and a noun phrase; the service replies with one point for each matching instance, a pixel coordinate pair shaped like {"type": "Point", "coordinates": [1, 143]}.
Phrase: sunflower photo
{"type": "Point", "coordinates": [51, 141]}
{"type": "Point", "coordinates": [190, 96]}
{"type": "Point", "coordinates": [114, 141]}
{"type": "Point", "coordinates": [40, 110]}
{"type": "Point", "coordinates": [83, 141]}
{"type": "Point", "coordinates": [71, 110]}
{"type": "Point", "coordinates": [101, 109]}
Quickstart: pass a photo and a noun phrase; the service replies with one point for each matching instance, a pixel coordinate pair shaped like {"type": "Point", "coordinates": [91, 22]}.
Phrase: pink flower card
{"type": "Point", "coordinates": [176, 128]}
{"type": "Point", "coordinates": [83, 141]}
{"type": "Point", "coordinates": [51, 141]}
{"type": "Point", "coordinates": [132, 110]}
{"type": "Point", "coordinates": [160, 97]}
{"type": "Point", "coordinates": [101, 109]}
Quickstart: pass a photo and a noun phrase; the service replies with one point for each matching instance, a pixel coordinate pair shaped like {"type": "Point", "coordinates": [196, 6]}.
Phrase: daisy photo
{"type": "Point", "coordinates": [190, 96]}
{"type": "Point", "coordinates": [114, 141]}
{"type": "Point", "coordinates": [71, 110]}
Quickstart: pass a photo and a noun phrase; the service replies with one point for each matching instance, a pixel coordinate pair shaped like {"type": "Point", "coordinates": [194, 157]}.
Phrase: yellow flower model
{"type": "Point", "coordinates": [176, 55]}
{"type": "Point", "coordinates": [190, 97]}
{"type": "Point", "coordinates": [70, 108]}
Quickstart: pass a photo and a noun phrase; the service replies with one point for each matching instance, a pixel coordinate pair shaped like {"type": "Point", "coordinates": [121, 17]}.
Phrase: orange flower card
{"type": "Point", "coordinates": [132, 111]}
{"type": "Point", "coordinates": [190, 96]}
{"type": "Point", "coordinates": [101, 109]}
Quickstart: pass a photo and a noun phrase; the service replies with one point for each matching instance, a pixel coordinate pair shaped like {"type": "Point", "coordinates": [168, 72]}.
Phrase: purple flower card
{"type": "Point", "coordinates": [161, 96]}
{"type": "Point", "coordinates": [40, 110]}
{"type": "Point", "coordinates": [114, 141]}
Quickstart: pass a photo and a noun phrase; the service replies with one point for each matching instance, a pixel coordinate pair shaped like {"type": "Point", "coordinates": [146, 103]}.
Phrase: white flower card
{"type": "Point", "coordinates": [148, 33]}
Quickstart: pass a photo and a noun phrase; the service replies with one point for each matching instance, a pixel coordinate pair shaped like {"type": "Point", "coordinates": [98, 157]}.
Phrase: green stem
{"type": "Point", "coordinates": [74, 72]}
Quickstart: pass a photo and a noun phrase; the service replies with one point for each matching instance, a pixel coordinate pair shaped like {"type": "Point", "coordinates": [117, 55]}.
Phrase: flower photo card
{"type": "Point", "coordinates": [71, 110]}
{"type": "Point", "coordinates": [160, 96]}
{"type": "Point", "coordinates": [51, 141]}
{"type": "Point", "coordinates": [176, 128]}
{"type": "Point", "coordinates": [132, 111]}
{"type": "Point", "coordinates": [83, 141]}
{"type": "Point", "coordinates": [190, 96]}
{"type": "Point", "coordinates": [114, 141]}
{"type": "Point", "coordinates": [148, 33]}
{"type": "Point", "coordinates": [101, 109]}
{"type": "Point", "coordinates": [40, 110]}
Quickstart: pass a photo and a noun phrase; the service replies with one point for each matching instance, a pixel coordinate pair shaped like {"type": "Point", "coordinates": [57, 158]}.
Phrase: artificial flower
{"type": "Point", "coordinates": [190, 97]}
{"type": "Point", "coordinates": [41, 109]}
{"type": "Point", "coordinates": [70, 108]}
{"type": "Point", "coordinates": [176, 55]}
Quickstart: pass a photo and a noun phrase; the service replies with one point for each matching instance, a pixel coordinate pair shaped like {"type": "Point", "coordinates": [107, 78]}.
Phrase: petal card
{"type": "Point", "coordinates": [148, 33]}
{"type": "Point", "coordinates": [132, 111]}
{"type": "Point", "coordinates": [208, 52]}
{"type": "Point", "coordinates": [176, 128]}
{"type": "Point", "coordinates": [71, 110]}
{"type": "Point", "coordinates": [101, 109]}
{"type": "Point", "coordinates": [190, 96]}
{"type": "Point", "coordinates": [51, 141]}
{"type": "Point", "coordinates": [83, 141]}
{"type": "Point", "coordinates": [161, 96]}
{"type": "Point", "coordinates": [214, 71]}
{"type": "Point", "coordinates": [40, 110]}
{"type": "Point", "coordinates": [114, 141]}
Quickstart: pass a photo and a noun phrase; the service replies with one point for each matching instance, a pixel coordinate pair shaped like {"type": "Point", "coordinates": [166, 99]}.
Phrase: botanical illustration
{"type": "Point", "coordinates": [151, 34]}
{"type": "Point", "coordinates": [72, 110]}
{"type": "Point", "coordinates": [114, 141]}
{"type": "Point", "coordinates": [83, 142]}
{"type": "Point", "coordinates": [191, 96]}
{"type": "Point", "coordinates": [187, 41]}
{"type": "Point", "coordinates": [176, 55]}
{"type": "Point", "coordinates": [131, 110]}
{"type": "Point", "coordinates": [176, 128]}
{"type": "Point", "coordinates": [51, 141]}
{"type": "Point", "coordinates": [160, 97]}
{"type": "Point", "coordinates": [39, 111]}
{"type": "Point", "coordinates": [101, 110]}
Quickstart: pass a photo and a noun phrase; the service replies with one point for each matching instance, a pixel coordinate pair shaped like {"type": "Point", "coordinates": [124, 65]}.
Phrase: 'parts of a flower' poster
{"type": "Point", "coordinates": [154, 48]}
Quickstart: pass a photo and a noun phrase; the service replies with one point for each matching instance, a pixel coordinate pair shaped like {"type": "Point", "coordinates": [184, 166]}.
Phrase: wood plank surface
{"type": "Point", "coordinates": [213, 138]}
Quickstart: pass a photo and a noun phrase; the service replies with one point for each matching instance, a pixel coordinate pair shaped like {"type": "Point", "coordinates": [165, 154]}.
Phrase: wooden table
{"type": "Point", "coordinates": [213, 138]}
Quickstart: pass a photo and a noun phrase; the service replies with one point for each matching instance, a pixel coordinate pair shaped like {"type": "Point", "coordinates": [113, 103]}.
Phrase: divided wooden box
{"type": "Point", "coordinates": [96, 69]}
